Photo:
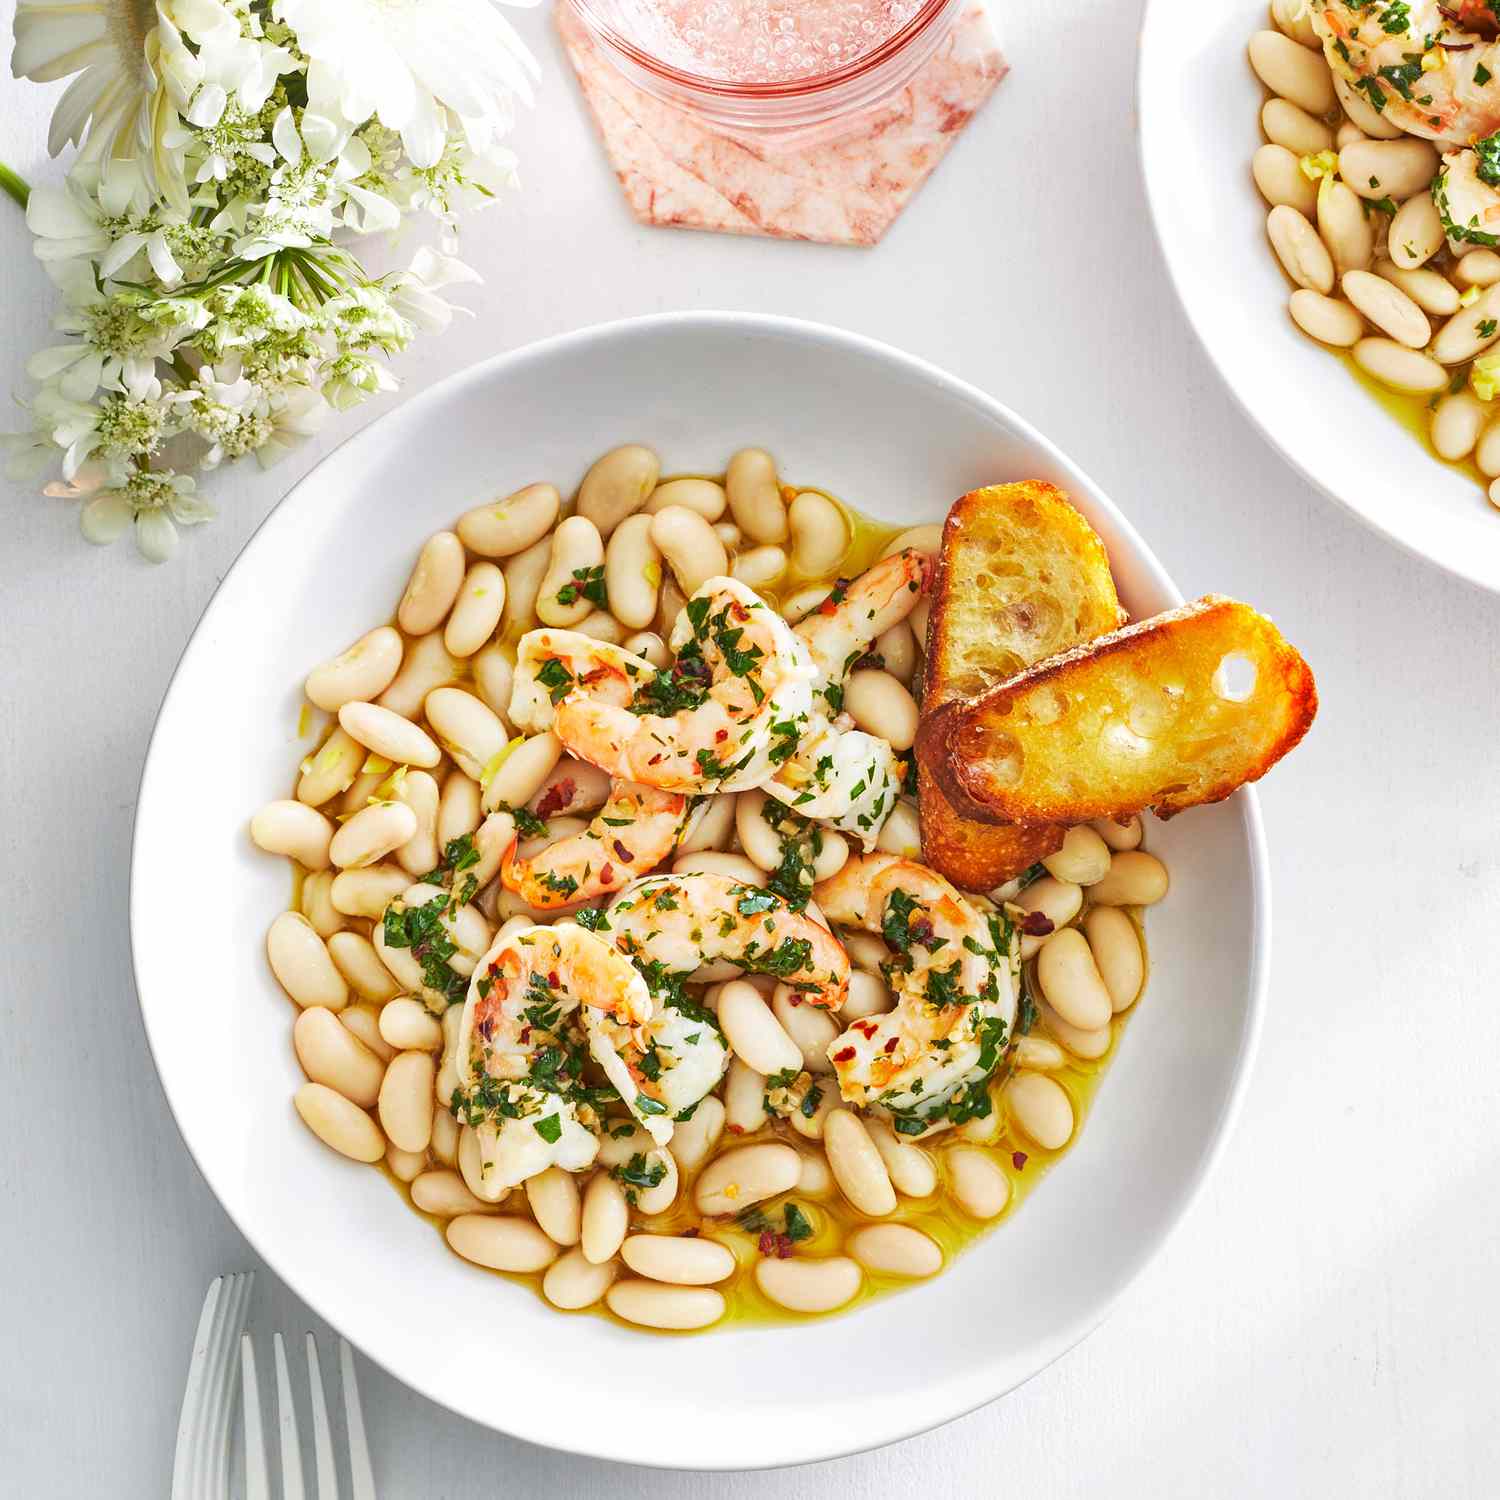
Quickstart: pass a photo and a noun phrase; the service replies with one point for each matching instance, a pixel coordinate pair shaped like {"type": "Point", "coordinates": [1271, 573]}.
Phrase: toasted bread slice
{"type": "Point", "coordinates": [1021, 576]}
{"type": "Point", "coordinates": [1167, 714]}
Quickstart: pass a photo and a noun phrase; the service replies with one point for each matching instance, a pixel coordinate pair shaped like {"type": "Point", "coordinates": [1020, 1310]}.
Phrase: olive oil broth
{"type": "Point", "coordinates": [830, 1217]}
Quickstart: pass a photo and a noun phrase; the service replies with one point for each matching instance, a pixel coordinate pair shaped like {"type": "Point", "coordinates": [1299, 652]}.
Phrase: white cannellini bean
{"type": "Point", "coordinates": [654, 1304]}
{"type": "Point", "coordinates": [1071, 982]}
{"type": "Point", "coordinates": [1348, 132]}
{"type": "Point", "coordinates": [754, 494]}
{"type": "Point", "coordinates": [408, 1026]}
{"type": "Point", "coordinates": [820, 535]}
{"type": "Point", "coordinates": [1292, 71]}
{"type": "Point", "coordinates": [556, 1206]}
{"type": "Point", "coordinates": [372, 834]}
{"type": "Point", "coordinates": [366, 893]}
{"type": "Point", "coordinates": [1057, 900]}
{"type": "Point", "coordinates": [471, 1168]}
{"type": "Point", "coordinates": [1083, 858]}
{"type": "Point", "coordinates": [469, 730]}
{"type": "Point", "coordinates": [927, 538]}
{"type": "Point", "coordinates": [901, 833]}
{"type": "Point", "coordinates": [444, 1145]}
{"type": "Point", "coordinates": [756, 567]}
{"type": "Point", "coordinates": [760, 841]}
{"type": "Point", "coordinates": [856, 1165]}
{"type": "Point", "coordinates": [427, 665]}
{"type": "Point", "coordinates": [805, 1284]}
{"type": "Point", "coordinates": [797, 606]}
{"type": "Point", "coordinates": [1432, 292]}
{"type": "Point", "coordinates": [1400, 368]}
{"type": "Point", "coordinates": [419, 791]}
{"type": "Point", "coordinates": [494, 678]}
{"type": "Point", "coordinates": [523, 581]}
{"type": "Point", "coordinates": [880, 705]}
{"type": "Point", "coordinates": [477, 611]}
{"type": "Point", "coordinates": [1387, 307]}
{"type": "Point", "coordinates": [502, 1242]}
{"type": "Point", "coordinates": [897, 648]}
{"type": "Point", "coordinates": [746, 1175]}
{"type": "Point", "coordinates": [294, 829]}
{"type": "Point", "coordinates": [573, 1281]}
{"type": "Point", "coordinates": [977, 1183]}
{"type": "Point", "coordinates": [441, 1192]}
{"type": "Point", "coordinates": [1294, 18]}
{"type": "Point", "coordinates": [1470, 331]}
{"type": "Point", "coordinates": [299, 960]}
{"type": "Point", "coordinates": [519, 776]}
{"type": "Point", "coordinates": [744, 1098]}
{"type": "Point", "coordinates": [1479, 268]}
{"type": "Point", "coordinates": [713, 827]}
{"type": "Point", "coordinates": [511, 525]}
{"type": "Point", "coordinates": [730, 534]}
{"type": "Point", "coordinates": [572, 787]}
{"type": "Point", "coordinates": [1298, 248]}
{"type": "Point", "coordinates": [1457, 421]}
{"type": "Point", "coordinates": [1287, 125]}
{"type": "Point", "coordinates": [1344, 230]}
{"type": "Point", "coordinates": [405, 1165]}
{"type": "Point", "coordinates": [678, 1259]}
{"type": "Point", "coordinates": [605, 1215]}
{"type": "Point", "coordinates": [895, 1250]}
{"type": "Point", "coordinates": [1041, 1107]}
{"type": "Point", "coordinates": [1388, 169]}
{"type": "Point", "coordinates": [754, 1032]}
{"type": "Point", "coordinates": [689, 545]}
{"type": "Point", "coordinates": [1135, 879]}
{"type": "Point", "coordinates": [458, 812]}
{"type": "Point", "coordinates": [1487, 452]}
{"type": "Point", "coordinates": [809, 1026]}
{"type": "Point", "coordinates": [715, 862]}
{"type": "Point", "coordinates": [365, 670]}
{"type": "Point", "coordinates": [1325, 318]}
{"type": "Point", "coordinates": [702, 495]}
{"type": "Point", "coordinates": [632, 573]}
{"type": "Point", "coordinates": [1126, 835]}
{"type": "Point", "coordinates": [317, 905]}
{"type": "Point", "coordinates": [813, 1177]}
{"type": "Point", "coordinates": [1364, 118]}
{"type": "Point", "coordinates": [1040, 1053]}
{"type": "Point", "coordinates": [1117, 954]}
{"type": "Point", "coordinates": [355, 958]}
{"type": "Point", "coordinates": [617, 485]}
{"type": "Point", "coordinates": [331, 1054]}
{"type": "Point", "coordinates": [338, 1123]}
{"type": "Point", "coordinates": [1416, 233]}
{"type": "Point", "coordinates": [406, 1100]}
{"type": "Point", "coordinates": [388, 734]}
{"type": "Point", "coordinates": [694, 1138]}
{"type": "Point", "coordinates": [669, 608]}
{"type": "Point", "coordinates": [433, 585]}
{"type": "Point", "coordinates": [868, 996]}
{"type": "Point", "coordinates": [658, 1199]}
{"type": "Point", "coordinates": [577, 547]}
{"type": "Point", "coordinates": [1090, 1045]}
{"type": "Point", "coordinates": [1279, 176]}
{"type": "Point", "coordinates": [330, 769]}
{"type": "Point", "coordinates": [648, 644]}
{"type": "Point", "coordinates": [911, 1169]}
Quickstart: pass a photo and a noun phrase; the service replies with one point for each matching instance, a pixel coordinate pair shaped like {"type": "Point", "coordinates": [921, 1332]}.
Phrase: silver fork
{"type": "Point", "coordinates": [200, 1470]}
{"type": "Point", "coordinates": [257, 1479]}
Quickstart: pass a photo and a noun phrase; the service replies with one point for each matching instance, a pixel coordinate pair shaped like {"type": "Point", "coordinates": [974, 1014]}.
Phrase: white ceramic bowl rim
{"type": "Point", "coordinates": [1404, 493]}
{"type": "Point", "coordinates": [955, 1396]}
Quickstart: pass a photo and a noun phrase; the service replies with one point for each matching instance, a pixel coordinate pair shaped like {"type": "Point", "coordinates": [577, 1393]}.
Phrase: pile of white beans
{"type": "Point", "coordinates": [1412, 309]}
{"type": "Point", "coordinates": [430, 694]}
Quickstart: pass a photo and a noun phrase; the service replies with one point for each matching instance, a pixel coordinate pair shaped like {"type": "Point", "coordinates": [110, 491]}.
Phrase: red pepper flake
{"type": "Point", "coordinates": [891, 1045]}
{"type": "Point", "coordinates": [1018, 1159]}
{"type": "Point", "coordinates": [625, 856]}
{"type": "Point", "coordinates": [845, 1055]}
{"type": "Point", "coordinates": [721, 736]}
{"type": "Point", "coordinates": [771, 1243]}
{"type": "Point", "coordinates": [1036, 924]}
{"type": "Point", "coordinates": [556, 797]}
{"type": "Point", "coordinates": [607, 873]}
{"type": "Point", "coordinates": [866, 1029]}
{"type": "Point", "coordinates": [553, 979]}
{"type": "Point", "coordinates": [691, 1233]}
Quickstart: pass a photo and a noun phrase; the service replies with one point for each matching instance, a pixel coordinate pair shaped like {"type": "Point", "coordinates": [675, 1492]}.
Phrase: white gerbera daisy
{"type": "Point", "coordinates": [406, 61]}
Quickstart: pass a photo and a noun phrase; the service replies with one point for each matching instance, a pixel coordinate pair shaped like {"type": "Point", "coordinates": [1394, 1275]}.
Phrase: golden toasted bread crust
{"type": "Point", "coordinates": [1145, 717]}
{"type": "Point", "coordinates": [1021, 576]}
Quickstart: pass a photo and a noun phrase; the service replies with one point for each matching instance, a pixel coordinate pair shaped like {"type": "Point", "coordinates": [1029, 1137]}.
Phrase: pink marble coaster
{"type": "Point", "coordinates": [678, 171]}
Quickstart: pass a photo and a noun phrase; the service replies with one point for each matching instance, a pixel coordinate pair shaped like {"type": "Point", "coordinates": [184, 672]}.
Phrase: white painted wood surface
{"type": "Point", "coordinates": [1323, 1323]}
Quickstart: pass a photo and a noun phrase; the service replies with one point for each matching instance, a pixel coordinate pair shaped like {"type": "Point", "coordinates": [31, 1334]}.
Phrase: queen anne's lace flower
{"type": "Point", "coordinates": [224, 145]}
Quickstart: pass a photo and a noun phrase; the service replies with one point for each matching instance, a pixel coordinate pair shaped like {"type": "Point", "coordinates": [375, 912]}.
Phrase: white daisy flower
{"type": "Point", "coordinates": [407, 61]}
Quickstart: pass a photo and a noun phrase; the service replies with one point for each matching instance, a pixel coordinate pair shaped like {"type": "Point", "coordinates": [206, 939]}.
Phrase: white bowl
{"type": "Point", "coordinates": [894, 437]}
{"type": "Point", "coordinates": [1199, 109]}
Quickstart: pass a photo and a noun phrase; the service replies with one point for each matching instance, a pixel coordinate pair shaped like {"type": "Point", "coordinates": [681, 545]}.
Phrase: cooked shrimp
{"type": "Point", "coordinates": [681, 922]}
{"type": "Point", "coordinates": [1420, 69]}
{"type": "Point", "coordinates": [685, 1057]}
{"type": "Point", "coordinates": [841, 776]}
{"type": "Point", "coordinates": [844, 626]}
{"type": "Point", "coordinates": [721, 719]}
{"type": "Point", "coordinates": [956, 980]}
{"type": "Point", "coordinates": [634, 831]}
{"type": "Point", "coordinates": [551, 664]}
{"type": "Point", "coordinates": [519, 1065]}
{"type": "Point", "coordinates": [1468, 206]}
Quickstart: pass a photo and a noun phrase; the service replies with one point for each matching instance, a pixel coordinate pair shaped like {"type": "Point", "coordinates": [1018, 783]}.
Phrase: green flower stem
{"type": "Point", "coordinates": [14, 185]}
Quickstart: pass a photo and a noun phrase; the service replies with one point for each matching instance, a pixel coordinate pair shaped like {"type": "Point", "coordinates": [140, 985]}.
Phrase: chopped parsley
{"type": "Point", "coordinates": [587, 583]}
{"type": "Point", "coordinates": [638, 1173]}
{"type": "Point", "coordinates": [549, 1128]}
{"type": "Point", "coordinates": [554, 676]}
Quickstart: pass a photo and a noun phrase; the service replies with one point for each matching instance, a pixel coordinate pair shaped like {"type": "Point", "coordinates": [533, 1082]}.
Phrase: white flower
{"type": "Point", "coordinates": [406, 61]}
{"type": "Point", "coordinates": [413, 293]}
{"type": "Point", "coordinates": [153, 500]}
{"type": "Point", "coordinates": [223, 63]}
{"type": "Point", "coordinates": [296, 415]}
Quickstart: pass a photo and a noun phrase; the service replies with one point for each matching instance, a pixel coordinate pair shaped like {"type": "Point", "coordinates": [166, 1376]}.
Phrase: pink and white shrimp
{"type": "Point", "coordinates": [731, 707]}
{"type": "Point", "coordinates": [956, 979]}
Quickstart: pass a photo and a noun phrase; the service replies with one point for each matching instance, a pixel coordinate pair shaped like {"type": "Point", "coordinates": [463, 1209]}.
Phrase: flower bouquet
{"type": "Point", "coordinates": [228, 151]}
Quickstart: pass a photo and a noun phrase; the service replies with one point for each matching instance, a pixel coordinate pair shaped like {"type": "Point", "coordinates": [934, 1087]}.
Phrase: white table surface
{"type": "Point", "coordinates": [1322, 1323]}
